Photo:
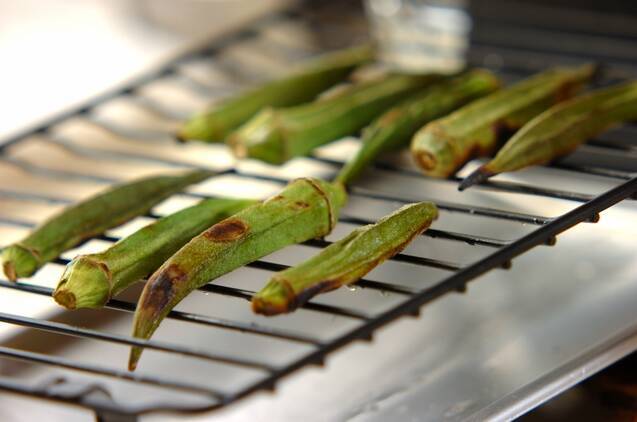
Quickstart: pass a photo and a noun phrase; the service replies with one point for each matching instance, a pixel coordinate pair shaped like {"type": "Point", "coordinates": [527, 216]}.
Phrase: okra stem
{"type": "Point", "coordinates": [89, 218]}
{"type": "Point", "coordinates": [89, 281]}
{"type": "Point", "coordinates": [307, 208]}
{"type": "Point", "coordinates": [444, 145]}
{"type": "Point", "coordinates": [561, 129]}
{"type": "Point", "coordinates": [345, 261]}
{"type": "Point", "coordinates": [302, 86]}
{"type": "Point", "coordinates": [395, 127]}
{"type": "Point", "coordinates": [277, 135]}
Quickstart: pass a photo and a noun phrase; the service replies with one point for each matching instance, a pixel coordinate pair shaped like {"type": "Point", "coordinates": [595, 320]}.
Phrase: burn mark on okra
{"type": "Point", "coordinates": [500, 129]}
{"type": "Point", "coordinates": [88, 260]}
{"type": "Point", "coordinates": [227, 230]}
{"type": "Point", "coordinates": [162, 289]}
{"type": "Point", "coordinates": [9, 269]}
{"type": "Point", "coordinates": [268, 308]}
{"type": "Point", "coordinates": [293, 300]}
{"type": "Point", "coordinates": [326, 198]}
{"type": "Point", "coordinates": [107, 272]}
{"type": "Point", "coordinates": [565, 91]}
{"type": "Point", "coordinates": [301, 204]}
{"type": "Point", "coordinates": [307, 294]}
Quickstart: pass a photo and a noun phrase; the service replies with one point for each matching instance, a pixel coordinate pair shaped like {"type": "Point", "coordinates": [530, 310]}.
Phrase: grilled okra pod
{"type": "Point", "coordinates": [215, 124]}
{"type": "Point", "coordinates": [89, 281]}
{"type": "Point", "coordinates": [89, 218]}
{"type": "Point", "coordinates": [277, 135]}
{"type": "Point", "coordinates": [444, 145]}
{"type": "Point", "coordinates": [345, 261]}
{"type": "Point", "coordinates": [307, 208]}
{"type": "Point", "coordinates": [560, 129]}
{"type": "Point", "coordinates": [395, 127]}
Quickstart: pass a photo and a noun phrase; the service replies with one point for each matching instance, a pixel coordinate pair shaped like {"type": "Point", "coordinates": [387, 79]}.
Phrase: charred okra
{"type": "Point", "coordinates": [89, 218]}
{"type": "Point", "coordinates": [277, 135]}
{"type": "Point", "coordinates": [306, 209]}
{"type": "Point", "coordinates": [89, 281]}
{"type": "Point", "coordinates": [395, 127]}
{"type": "Point", "coordinates": [345, 261]}
{"type": "Point", "coordinates": [291, 217]}
{"type": "Point", "coordinates": [561, 129]}
{"type": "Point", "coordinates": [215, 124]}
{"type": "Point", "coordinates": [444, 145]}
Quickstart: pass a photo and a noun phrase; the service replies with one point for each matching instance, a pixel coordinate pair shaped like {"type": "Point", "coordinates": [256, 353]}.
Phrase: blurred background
{"type": "Point", "coordinates": [57, 52]}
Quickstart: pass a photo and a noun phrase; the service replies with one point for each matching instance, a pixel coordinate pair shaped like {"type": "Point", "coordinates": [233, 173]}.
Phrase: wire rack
{"type": "Point", "coordinates": [478, 231]}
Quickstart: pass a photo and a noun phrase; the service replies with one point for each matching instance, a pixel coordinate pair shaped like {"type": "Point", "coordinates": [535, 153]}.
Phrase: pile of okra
{"type": "Point", "coordinates": [446, 120]}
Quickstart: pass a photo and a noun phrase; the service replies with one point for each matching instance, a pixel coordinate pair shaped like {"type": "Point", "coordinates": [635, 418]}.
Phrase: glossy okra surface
{"type": "Point", "coordinates": [90, 218]}
{"type": "Point", "coordinates": [89, 281]}
{"type": "Point", "coordinates": [561, 129]}
{"type": "Point", "coordinates": [276, 135]}
{"type": "Point", "coordinates": [444, 145]}
{"type": "Point", "coordinates": [394, 129]}
{"type": "Point", "coordinates": [344, 261]}
{"type": "Point", "coordinates": [307, 208]}
{"type": "Point", "coordinates": [303, 85]}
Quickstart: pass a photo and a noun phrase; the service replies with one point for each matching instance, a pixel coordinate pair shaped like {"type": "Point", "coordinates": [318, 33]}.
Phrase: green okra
{"type": "Point", "coordinates": [307, 208]}
{"type": "Point", "coordinates": [316, 76]}
{"type": "Point", "coordinates": [350, 258]}
{"type": "Point", "coordinates": [288, 218]}
{"type": "Point", "coordinates": [89, 281]}
{"type": "Point", "coordinates": [444, 145]}
{"type": "Point", "coordinates": [344, 261]}
{"type": "Point", "coordinates": [89, 218]}
{"type": "Point", "coordinates": [394, 128]}
{"type": "Point", "coordinates": [560, 129]}
{"type": "Point", "coordinates": [276, 135]}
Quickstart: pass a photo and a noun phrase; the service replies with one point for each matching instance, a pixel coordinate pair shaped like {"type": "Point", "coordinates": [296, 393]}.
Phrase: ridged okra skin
{"type": "Point", "coordinates": [561, 129]}
{"type": "Point", "coordinates": [345, 261]}
{"type": "Point", "coordinates": [307, 208]}
{"type": "Point", "coordinates": [394, 129]}
{"type": "Point", "coordinates": [303, 85]}
{"type": "Point", "coordinates": [276, 135]}
{"type": "Point", "coordinates": [444, 145]}
{"type": "Point", "coordinates": [89, 218]}
{"type": "Point", "coordinates": [89, 281]}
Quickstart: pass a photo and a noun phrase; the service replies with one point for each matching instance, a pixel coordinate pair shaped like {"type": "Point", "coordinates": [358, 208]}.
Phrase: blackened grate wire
{"type": "Point", "coordinates": [513, 50]}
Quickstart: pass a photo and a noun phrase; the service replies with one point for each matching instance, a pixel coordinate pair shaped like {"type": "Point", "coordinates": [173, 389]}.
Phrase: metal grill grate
{"type": "Point", "coordinates": [492, 224]}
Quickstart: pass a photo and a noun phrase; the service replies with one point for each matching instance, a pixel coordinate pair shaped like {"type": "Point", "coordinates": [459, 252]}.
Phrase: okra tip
{"type": "Point", "coordinates": [19, 261]}
{"type": "Point", "coordinates": [150, 312]}
{"type": "Point", "coordinates": [144, 325]}
{"type": "Point", "coordinates": [275, 298]}
{"type": "Point", "coordinates": [86, 283]}
{"type": "Point", "coordinates": [478, 176]}
{"type": "Point", "coordinates": [135, 354]}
